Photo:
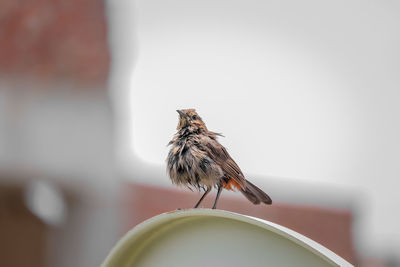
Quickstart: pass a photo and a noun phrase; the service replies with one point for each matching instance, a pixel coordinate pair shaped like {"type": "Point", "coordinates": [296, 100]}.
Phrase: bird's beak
{"type": "Point", "coordinates": [182, 114]}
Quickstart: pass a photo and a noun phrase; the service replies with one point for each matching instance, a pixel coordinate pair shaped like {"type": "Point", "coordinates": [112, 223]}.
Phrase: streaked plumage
{"type": "Point", "coordinates": [197, 160]}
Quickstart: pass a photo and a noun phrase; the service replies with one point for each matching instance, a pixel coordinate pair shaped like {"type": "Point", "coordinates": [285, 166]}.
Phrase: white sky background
{"type": "Point", "coordinates": [302, 89]}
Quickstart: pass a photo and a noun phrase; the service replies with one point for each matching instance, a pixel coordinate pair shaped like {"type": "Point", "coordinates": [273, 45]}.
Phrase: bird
{"type": "Point", "coordinates": [198, 161]}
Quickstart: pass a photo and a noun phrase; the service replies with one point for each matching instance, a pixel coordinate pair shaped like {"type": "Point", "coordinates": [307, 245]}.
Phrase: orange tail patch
{"type": "Point", "coordinates": [231, 185]}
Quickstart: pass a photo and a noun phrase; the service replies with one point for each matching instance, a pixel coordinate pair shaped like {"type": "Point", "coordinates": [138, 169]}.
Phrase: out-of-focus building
{"type": "Point", "coordinates": [56, 126]}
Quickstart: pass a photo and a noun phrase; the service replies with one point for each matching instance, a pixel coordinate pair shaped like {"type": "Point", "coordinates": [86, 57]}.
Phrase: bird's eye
{"type": "Point", "coordinates": [194, 117]}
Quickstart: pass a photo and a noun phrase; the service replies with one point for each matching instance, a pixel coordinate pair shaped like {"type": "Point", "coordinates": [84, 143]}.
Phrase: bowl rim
{"type": "Point", "coordinates": [287, 233]}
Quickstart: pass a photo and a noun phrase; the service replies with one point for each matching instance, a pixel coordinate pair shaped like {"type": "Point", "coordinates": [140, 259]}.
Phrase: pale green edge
{"type": "Point", "coordinates": [300, 239]}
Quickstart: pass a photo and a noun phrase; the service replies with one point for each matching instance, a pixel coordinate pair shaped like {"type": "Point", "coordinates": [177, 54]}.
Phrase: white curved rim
{"type": "Point", "coordinates": [299, 239]}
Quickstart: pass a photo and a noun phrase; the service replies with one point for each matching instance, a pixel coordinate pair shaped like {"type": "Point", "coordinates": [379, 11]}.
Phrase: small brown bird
{"type": "Point", "coordinates": [197, 160]}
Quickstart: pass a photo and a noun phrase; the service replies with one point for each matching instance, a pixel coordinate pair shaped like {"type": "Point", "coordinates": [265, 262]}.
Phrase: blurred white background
{"type": "Point", "coordinates": [305, 90]}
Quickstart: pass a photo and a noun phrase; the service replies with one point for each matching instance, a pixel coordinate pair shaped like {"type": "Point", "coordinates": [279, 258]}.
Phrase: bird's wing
{"type": "Point", "coordinates": [220, 155]}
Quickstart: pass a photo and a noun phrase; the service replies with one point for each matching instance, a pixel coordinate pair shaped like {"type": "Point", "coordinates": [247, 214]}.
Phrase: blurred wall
{"type": "Point", "coordinates": [56, 120]}
{"type": "Point", "coordinates": [21, 232]}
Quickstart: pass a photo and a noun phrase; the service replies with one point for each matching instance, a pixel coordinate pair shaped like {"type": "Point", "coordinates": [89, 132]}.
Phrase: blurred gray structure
{"type": "Point", "coordinates": [65, 138]}
{"type": "Point", "coordinates": [56, 126]}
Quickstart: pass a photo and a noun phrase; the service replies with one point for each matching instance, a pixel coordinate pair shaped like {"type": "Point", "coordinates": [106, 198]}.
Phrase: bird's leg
{"type": "Point", "coordinates": [216, 199]}
{"type": "Point", "coordinates": [202, 197]}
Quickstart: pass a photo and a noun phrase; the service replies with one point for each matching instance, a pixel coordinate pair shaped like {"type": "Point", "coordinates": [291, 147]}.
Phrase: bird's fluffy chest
{"type": "Point", "coordinates": [188, 164]}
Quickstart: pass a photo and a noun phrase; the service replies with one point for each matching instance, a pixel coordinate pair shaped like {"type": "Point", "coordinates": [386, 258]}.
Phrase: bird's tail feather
{"type": "Point", "coordinates": [255, 194]}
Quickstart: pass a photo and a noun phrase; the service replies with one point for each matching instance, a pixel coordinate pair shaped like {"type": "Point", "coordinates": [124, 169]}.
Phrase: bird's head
{"type": "Point", "coordinates": [190, 118]}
